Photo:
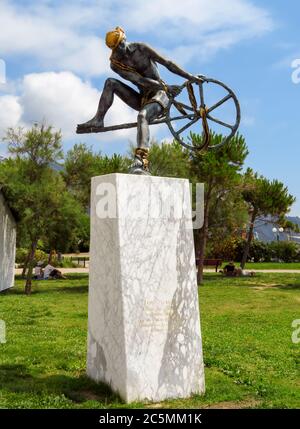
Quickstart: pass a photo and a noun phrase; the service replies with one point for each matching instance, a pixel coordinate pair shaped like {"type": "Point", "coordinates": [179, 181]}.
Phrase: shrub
{"type": "Point", "coordinates": [232, 249]}
{"type": "Point", "coordinates": [286, 251]}
{"type": "Point", "coordinates": [21, 255]}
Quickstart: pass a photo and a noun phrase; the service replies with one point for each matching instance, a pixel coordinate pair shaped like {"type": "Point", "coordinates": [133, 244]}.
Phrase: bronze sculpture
{"type": "Point", "coordinates": [136, 62]}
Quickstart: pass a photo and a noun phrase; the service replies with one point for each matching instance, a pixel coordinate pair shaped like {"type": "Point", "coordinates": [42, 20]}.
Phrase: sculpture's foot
{"type": "Point", "coordinates": [93, 123]}
{"type": "Point", "coordinates": [141, 163]}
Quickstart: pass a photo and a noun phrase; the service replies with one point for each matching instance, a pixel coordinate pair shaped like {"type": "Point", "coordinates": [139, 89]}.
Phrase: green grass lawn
{"type": "Point", "coordinates": [246, 322]}
{"type": "Point", "coordinates": [269, 265]}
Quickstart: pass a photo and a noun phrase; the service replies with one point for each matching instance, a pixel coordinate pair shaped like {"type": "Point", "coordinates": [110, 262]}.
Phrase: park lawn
{"type": "Point", "coordinates": [269, 265]}
{"type": "Point", "coordinates": [249, 356]}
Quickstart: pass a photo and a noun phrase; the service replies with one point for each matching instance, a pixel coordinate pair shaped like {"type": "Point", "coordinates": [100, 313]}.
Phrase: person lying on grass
{"type": "Point", "coordinates": [51, 273]}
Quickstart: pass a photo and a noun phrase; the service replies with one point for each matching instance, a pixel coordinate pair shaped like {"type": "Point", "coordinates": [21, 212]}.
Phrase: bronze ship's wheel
{"type": "Point", "coordinates": [195, 110]}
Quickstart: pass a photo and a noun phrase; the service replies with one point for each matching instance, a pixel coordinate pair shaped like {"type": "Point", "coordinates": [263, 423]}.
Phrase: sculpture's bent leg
{"type": "Point", "coordinates": [146, 115]}
{"type": "Point", "coordinates": [113, 86]}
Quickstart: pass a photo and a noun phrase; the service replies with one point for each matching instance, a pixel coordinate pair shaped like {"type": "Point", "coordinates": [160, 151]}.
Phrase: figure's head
{"type": "Point", "coordinates": [115, 38]}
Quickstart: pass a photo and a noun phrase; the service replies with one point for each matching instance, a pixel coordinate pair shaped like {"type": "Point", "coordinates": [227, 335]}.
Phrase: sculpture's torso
{"type": "Point", "coordinates": [136, 56]}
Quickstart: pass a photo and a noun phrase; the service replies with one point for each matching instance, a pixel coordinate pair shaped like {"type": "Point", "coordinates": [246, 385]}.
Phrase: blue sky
{"type": "Point", "coordinates": [57, 62]}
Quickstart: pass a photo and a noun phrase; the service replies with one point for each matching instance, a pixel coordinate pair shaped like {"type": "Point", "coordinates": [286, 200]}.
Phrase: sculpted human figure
{"type": "Point", "coordinates": [136, 62]}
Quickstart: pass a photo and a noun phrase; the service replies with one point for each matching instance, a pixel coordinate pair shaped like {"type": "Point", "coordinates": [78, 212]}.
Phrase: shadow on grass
{"type": "Point", "coordinates": [75, 289]}
{"type": "Point", "coordinates": [288, 286]}
{"type": "Point", "coordinates": [39, 290]}
{"type": "Point", "coordinates": [70, 277]}
{"type": "Point", "coordinates": [219, 280]}
{"type": "Point", "coordinates": [16, 379]}
{"type": "Point", "coordinates": [76, 283]}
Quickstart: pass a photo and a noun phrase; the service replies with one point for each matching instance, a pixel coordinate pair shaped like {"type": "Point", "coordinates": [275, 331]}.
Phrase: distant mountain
{"type": "Point", "coordinates": [57, 167]}
{"type": "Point", "coordinates": [294, 219]}
{"type": "Point", "coordinates": [54, 165]}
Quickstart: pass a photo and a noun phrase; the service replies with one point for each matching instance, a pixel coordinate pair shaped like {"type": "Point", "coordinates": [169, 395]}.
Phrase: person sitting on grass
{"type": "Point", "coordinates": [51, 273]}
{"type": "Point", "coordinates": [230, 270]}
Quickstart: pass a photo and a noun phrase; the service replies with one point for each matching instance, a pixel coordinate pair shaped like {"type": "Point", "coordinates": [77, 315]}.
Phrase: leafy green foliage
{"type": "Point", "coordinates": [81, 164]}
{"type": "Point", "coordinates": [233, 248]}
{"type": "Point", "coordinates": [38, 193]}
{"type": "Point", "coordinates": [169, 160]}
{"type": "Point", "coordinates": [264, 197]}
{"type": "Point", "coordinates": [21, 256]}
{"type": "Point", "coordinates": [40, 145]}
{"type": "Point", "coordinates": [220, 171]}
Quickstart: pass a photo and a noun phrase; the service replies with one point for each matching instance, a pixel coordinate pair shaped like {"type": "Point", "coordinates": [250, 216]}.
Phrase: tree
{"type": "Point", "coordinates": [45, 208]}
{"type": "Point", "coordinates": [219, 170]}
{"type": "Point", "coordinates": [228, 212]}
{"type": "Point", "coordinates": [264, 197]}
{"type": "Point", "coordinates": [169, 160]}
{"type": "Point", "coordinates": [40, 145]}
{"type": "Point", "coordinates": [81, 164]}
{"type": "Point", "coordinates": [36, 191]}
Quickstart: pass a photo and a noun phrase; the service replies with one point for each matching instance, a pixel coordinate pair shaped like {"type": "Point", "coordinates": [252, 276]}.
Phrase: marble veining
{"type": "Point", "coordinates": [144, 325]}
{"type": "Point", "coordinates": [7, 246]}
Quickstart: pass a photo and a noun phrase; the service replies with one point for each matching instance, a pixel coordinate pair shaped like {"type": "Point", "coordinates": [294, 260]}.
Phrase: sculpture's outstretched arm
{"type": "Point", "coordinates": [172, 67]}
{"type": "Point", "coordinates": [137, 78]}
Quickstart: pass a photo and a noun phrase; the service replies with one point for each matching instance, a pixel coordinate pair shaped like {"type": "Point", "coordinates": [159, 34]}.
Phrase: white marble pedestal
{"type": "Point", "coordinates": [144, 329]}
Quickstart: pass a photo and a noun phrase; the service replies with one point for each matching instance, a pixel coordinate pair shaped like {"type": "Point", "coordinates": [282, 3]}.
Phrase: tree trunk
{"type": "Point", "coordinates": [201, 255]}
{"type": "Point", "coordinates": [30, 269]}
{"type": "Point", "coordinates": [249, 240]}
{"type": "Point", "coordinates": [203, 233]}
{"type": "Point", "coordinates": [26, 264]}
{"type": "Point", "coordinates": [51, 256]}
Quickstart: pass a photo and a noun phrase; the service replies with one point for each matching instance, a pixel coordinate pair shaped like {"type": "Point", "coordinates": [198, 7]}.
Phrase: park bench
{"type": "Point", "coordinates": [211, 263]}
{"type": "Point", "coordinates": [81, 260]}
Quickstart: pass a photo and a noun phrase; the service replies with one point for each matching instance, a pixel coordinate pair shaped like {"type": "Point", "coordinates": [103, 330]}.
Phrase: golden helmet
{"type": "Point", "coordinates": [115, 37]}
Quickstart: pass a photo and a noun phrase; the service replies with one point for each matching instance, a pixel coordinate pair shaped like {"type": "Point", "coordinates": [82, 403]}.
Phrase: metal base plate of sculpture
{"type": "Point", "coordinates": [158, 102]}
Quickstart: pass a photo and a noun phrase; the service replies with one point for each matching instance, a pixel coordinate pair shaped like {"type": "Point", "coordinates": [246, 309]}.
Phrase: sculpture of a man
{"type": "Point", "coordinates": [136, 62]}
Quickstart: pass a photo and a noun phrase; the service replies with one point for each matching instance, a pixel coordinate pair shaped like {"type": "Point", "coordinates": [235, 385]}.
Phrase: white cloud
{"type": "Point", "coordinates": [202, 16]}
{"type": "Point", "coordinates": [10, 111]}
{"type": "Point", "coordinates": [63, 35]}
{"type": "Point", "coordinates": [69, 35]}
{"type": "Point", "coordinates": [51, 37]}
{"type": "Point", "coordinates": [61, 99]}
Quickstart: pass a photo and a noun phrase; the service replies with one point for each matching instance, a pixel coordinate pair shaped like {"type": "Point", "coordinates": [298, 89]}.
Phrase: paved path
{"type": "Point", "coordinates": [86, 270]}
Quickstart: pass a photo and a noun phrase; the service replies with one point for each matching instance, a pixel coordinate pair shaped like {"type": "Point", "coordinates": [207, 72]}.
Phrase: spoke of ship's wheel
{"type": "Point", "coordinates": [187, 126]}
{"type": "Point", "coordinates": [185, 106]}
{"type": "Point", "coordinates": [219, 103]}
{"type": "Point", "coordinates": [175, 118]}
{"type": "Point", "coordinates": [220, 122]}
{"type": "Point", "coordinates": [201, 92]}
